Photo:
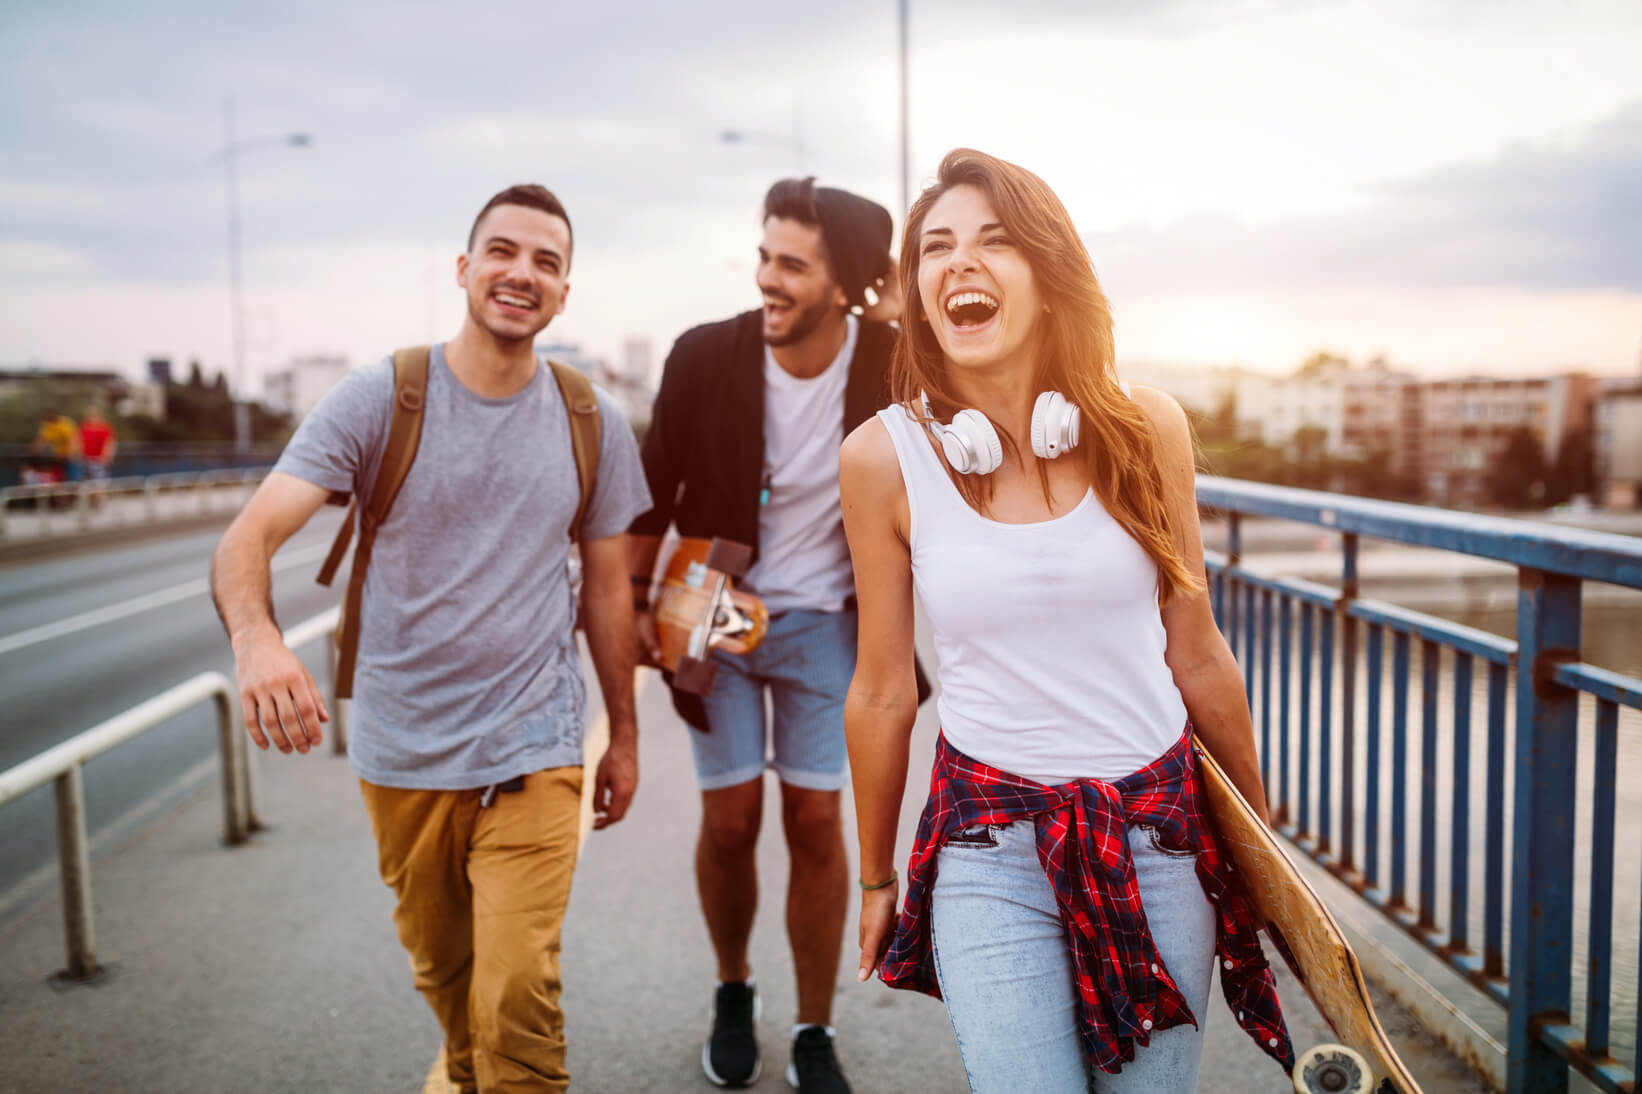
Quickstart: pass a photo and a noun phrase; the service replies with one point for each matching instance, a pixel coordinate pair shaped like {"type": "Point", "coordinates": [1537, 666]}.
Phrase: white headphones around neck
{"type": "Point", "coordinates": [971, 442]}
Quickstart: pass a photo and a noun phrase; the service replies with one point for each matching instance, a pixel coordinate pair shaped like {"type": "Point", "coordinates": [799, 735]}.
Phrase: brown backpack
{"type": "Point", "coordinates": [410, 385]}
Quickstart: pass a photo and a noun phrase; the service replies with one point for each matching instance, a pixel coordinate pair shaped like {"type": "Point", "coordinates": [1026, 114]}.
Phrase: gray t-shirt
{"type": "Point", "coordinates": [468, 672]}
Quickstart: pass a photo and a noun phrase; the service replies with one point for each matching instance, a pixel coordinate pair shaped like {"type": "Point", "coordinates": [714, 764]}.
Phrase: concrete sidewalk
{"type": "Point", "coordinates": [274, 967]}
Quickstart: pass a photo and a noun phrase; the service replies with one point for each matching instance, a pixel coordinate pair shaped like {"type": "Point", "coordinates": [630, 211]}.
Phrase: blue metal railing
{"type": "Point", "coordinates": [1528, 970]}
{"type": "Point", "coordinates": [141, 458]}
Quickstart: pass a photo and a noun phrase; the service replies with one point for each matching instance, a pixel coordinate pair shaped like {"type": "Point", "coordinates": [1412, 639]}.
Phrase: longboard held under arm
{"type": "Point", "coordinates": [1313, 945]}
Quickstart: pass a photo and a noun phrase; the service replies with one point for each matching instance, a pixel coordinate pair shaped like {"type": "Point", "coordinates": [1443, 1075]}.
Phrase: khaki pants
{"type": "Point", "coordinates": [482, 895]}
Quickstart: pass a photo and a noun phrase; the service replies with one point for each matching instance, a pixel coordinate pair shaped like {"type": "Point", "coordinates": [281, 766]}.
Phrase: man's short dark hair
{"type": "Point", "coordinates": [855, 231]}
{"type": "Point", "coordinates": [531, 196]}
{"type": "Point", "coordinates": [793, 199]}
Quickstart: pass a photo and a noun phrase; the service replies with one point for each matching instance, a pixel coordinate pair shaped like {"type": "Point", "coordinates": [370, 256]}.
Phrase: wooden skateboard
{"type": "Point", "coordinates": [1312, 944]}
{"type": "Point", "coordinates": [698, 610]}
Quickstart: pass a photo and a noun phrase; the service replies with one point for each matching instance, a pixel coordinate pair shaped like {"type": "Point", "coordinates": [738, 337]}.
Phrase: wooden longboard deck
{"type": "Point", "coordinates": [684, 600]}
{"type": "Point", "coordinates": [1312, 942]}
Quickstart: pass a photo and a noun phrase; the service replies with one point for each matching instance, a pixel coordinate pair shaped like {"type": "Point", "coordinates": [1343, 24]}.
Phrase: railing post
{"type": "Point", "coordinates": [1348, 701]}
{"type": "Point", "coordinates": [1542, 867]}
{"type": "Point", "coordinates": [74, 865]}
{"type": "Point", "coordinates": [236, 781]}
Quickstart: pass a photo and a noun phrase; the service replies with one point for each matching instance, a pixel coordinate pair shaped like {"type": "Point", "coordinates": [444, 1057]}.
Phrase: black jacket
{"type": "Point", "coordinates": [704, 451]}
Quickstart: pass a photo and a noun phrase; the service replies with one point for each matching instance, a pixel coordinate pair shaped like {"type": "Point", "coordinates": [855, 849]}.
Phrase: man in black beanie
{"type": "Point", "coordinates": [743, 444]}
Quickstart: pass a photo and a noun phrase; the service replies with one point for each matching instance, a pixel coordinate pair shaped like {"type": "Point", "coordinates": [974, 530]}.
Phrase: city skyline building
{"type": "Point", "coordinates": [298, 387]}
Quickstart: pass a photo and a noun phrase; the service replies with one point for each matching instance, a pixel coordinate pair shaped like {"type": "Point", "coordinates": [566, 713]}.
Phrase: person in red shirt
{"type": "Point", "coordinates": [97, 447]}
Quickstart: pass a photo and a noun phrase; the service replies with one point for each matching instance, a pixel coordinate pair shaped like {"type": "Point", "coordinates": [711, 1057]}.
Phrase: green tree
{"type": "Point", "coordinates": [1572, 472]}
{"type": "Point", "coordinates": [1309, 462]}
{"type": "Point", "coordinates": [1320, 362]}
{"type": "Point", "coordinates": [1517, 478]}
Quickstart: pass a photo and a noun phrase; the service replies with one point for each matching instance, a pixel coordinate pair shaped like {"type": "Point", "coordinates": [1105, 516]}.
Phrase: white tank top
{"type": "Point", "coordinates": [1048, 634]}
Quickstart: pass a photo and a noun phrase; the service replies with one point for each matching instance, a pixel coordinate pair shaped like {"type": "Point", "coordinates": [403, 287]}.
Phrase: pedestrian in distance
{"type": "Point", "coordinates": [743, 444]}
{"type": "Point", "coordinates": [55, 450]}
{"type": "Point", "coordinates": [98, 445]}
{"type": "Point", "coordinates": [467, 720]}
{"type": "Point", "coordinates": [1065, 895]}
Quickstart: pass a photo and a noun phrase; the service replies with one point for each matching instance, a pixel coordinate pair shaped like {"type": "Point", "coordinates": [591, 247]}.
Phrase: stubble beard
{"type": "Point", "coordinates": [806, 323]}
{"type": "Point", "coordinates": [506, 339]}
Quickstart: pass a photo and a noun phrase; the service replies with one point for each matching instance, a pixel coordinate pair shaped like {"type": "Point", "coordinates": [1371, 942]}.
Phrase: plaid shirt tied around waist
{"type": "Point", "coordinates": [1124, 991]}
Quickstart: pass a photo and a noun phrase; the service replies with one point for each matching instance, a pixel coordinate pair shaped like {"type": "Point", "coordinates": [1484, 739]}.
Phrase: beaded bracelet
{"type": "Point", "coordinates": [893, 878]}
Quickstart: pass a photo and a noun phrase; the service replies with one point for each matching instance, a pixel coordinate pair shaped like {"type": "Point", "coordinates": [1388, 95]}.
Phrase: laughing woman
{"type": "Point", "coordinates": [1064, 896]}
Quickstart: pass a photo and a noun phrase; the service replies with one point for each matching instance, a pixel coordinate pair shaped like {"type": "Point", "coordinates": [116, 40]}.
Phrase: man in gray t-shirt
{"type": "Point", "coordinates": [466, 724]}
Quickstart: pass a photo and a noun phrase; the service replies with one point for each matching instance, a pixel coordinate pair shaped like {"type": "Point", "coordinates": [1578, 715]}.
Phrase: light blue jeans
{"type": "Point", "coordinates": [1006, 973]}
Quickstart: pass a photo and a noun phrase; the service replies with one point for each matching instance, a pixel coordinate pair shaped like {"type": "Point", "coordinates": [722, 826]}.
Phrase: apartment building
{"type": "Point", "coordinates": [1203, 390]}
{"type": "Point", "coordinates": [298, 387]}
{"type": "Point", "coordinates": [1468, 422]}
{"type": "Point", "coordinates": [1617, 443]}
{"type": "Point", "coordinates": [1275, 408]}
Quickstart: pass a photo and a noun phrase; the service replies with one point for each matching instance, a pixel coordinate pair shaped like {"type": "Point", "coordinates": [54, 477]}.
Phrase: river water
{"type": "Point", "coordinates": [1612, 639]}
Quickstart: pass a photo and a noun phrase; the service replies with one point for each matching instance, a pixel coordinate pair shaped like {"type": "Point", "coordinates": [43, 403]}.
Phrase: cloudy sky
{"type": "Point", "coordinates": [1454, 183]}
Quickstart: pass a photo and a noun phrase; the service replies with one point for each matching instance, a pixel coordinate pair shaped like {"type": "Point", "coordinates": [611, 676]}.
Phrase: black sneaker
{"type": "Point", "coordinates": [814, 1068]}
{"type": "Point", "coordinates": [730, 1056]}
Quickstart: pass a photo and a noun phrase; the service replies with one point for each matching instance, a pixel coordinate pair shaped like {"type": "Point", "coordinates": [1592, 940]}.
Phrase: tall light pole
{"type": "Point", "coordinates": [906, 143]}
{"type": "Point", "coordinates": [230, 153]}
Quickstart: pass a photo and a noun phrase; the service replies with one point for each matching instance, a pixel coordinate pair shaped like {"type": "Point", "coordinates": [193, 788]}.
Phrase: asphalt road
{"type": "Point", "coordinates": [87, 636]}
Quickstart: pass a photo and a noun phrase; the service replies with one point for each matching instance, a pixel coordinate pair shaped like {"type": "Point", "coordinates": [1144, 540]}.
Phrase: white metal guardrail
{"type": "Point", "coordinates": [62, 764]}
{"type": "Point", "coordinates": [40, 511]}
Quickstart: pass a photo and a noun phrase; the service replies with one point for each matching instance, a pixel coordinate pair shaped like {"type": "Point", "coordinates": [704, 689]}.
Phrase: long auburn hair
{"type": "Point", "coordinates": [1118, 446]}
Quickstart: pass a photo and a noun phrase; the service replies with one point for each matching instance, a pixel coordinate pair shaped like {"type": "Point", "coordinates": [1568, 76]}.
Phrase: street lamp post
{"type": "Point", "coordinates": [231, 150]}
{"type": "Point", "coordinates": [906, 143]}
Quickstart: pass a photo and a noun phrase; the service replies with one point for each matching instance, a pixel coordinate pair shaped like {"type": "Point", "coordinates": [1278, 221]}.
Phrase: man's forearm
{"type": "Point", "coordinates": [610, 642]}
{"type": "Point", "coordinates": [241, 587]}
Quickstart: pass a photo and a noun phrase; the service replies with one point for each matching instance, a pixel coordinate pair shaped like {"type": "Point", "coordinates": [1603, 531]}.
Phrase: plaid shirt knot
{"type": "Point", "coordinates": [1125, 992]}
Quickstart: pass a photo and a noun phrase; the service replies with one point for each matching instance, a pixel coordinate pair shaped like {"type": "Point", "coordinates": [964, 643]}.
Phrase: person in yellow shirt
{"type": "Point", "coordinates": [59, 441]}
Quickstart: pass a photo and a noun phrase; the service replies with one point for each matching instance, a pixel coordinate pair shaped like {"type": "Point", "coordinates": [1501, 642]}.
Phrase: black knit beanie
{"type": "Point", "coordinates": [858, 234]}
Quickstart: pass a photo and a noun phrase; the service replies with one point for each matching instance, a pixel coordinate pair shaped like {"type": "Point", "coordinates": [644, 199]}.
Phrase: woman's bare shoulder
{"type": "Point", "coordinates": [869, 452]}
{"type": "Point", "coordinates": [1164, 410]}
{"type": "Point", "coordinates": [1174, 431]}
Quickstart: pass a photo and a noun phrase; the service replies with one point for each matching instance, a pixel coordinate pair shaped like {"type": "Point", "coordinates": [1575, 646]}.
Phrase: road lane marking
{"type": "Point", "coordinates": [96, 618]}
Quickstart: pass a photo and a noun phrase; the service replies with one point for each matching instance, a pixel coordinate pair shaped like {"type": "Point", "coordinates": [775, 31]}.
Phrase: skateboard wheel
{"type": "Point", "coordinates": [1332, 1069]}
{"type": "Point", "coordinates": [694, 676]}
{"type": "Point", "coordinates": [729, 557]}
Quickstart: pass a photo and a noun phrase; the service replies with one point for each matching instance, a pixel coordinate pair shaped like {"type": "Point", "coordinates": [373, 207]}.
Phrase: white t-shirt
{"type": "Point", "coordinates": [803, 558]}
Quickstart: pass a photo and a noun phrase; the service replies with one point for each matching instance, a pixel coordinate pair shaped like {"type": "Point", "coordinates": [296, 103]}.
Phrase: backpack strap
{"type": "Point", "coordinates": [410, 386]}
{"type": "Point", "coordinates": [582, 406]}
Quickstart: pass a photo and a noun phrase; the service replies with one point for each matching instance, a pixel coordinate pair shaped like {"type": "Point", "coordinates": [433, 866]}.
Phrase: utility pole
{"type": "Point", "coordinates": [236, 286]}
{"type": "Point", "coordinates": [232, 146]}
{"type": "Point", "coordinates": [906, 140]}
